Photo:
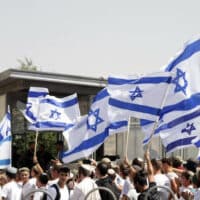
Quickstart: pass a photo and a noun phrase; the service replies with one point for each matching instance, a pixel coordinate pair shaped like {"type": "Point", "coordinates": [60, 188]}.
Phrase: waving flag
{"type": "Point", "coordinates": [56, 113]}
{"type": "Point", "coordinates": [183, 102]}
{"type": "Point", "coordinates": [138, 97]}
{"type": "Point", "coordinates": [5, 141]}
{"type": "Point", "coordinates": [35, 94]}
{"type": "Point", "coordinates": [92, 129]}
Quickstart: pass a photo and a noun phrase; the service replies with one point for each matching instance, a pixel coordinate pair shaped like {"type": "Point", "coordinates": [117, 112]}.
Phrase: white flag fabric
{"type": "Point", "coordinates": [57, 114]}
{"type": "Point", "coordinates": [138, 97]}
{"type": "Point", "coordinates": [183, 101]}
{"type": "Point", "coordinates": [5, 141]}
{"type": "Point", "coordinates": [91, 130]}
{"type": "Point", "coordinates": [35, 94]}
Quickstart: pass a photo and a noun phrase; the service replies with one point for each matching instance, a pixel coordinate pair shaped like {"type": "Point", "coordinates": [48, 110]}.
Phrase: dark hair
{"type": "Point", "coordinates": [43, 178]}
{"type": "Point", "coordinates": [141, 178]}
{"type": "Point", "coordinates": [64, 169]}
{"type": "Point", "coordinates": [138, 161]}
{"type": "Point", "coordinates": [188, 175]}
{"type": "Point", "coordinates": [157, 165]}
{"type": "Point", "coordinates": [10, 175]}
{"type": "Point", "coordinates": [103, 168]}
{"type": "Point", "coordinates": [124, 169]}
{"type": "Point", "coordinates": [83, 171]}
{"type": "Point", "coordinates": [167, 161]}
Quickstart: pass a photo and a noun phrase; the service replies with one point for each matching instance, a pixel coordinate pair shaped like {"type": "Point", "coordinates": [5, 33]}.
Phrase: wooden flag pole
{"type": "Point", "coordinates": [127, 137]}
{"type": "Point", "coordinates": [36, 142]}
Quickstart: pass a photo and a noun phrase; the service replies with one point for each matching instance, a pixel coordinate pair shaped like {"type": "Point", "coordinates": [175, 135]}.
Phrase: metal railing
{"type": "Point", "coordinates": [100, 188]}
{"type": "Point", "coordinates": [37, 190]}
{"type": "Point", "coordinates": [162, 187]}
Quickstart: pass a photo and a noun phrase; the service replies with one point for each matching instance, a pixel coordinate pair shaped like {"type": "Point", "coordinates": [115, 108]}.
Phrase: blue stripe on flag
{"type": "Point", "coordinates": [178, 121]}
{"type": "Point", "coordinates": [101, 95]}
{"type": "Point", "coordinates": [120, 81]}
{"type": "Point", "coordinates": [30, 115]}
{"type": "Point", "coordinates": [33, 94]}
{"type": "Point", "coordinates": [118, 124]}
{"type": "Point", "coordinates": [145, 122]}
{"type": "Point", "coordinates": [134, 107]}
{"type": "Point", "coordinates": [60, 104]}
{"type": "Point", "coordinates": [179, 143]}
{"type": "Point", "coordinates": [186, 104]}
{"type": "Point", "coordinates": [5, 162]}
{"type": "Point", "coordinates": [154, 80]}
{"type": "Point", "coordinates": [145, 80]}
{"type": "Point", "coordinates": [91, 142]}
{"type": "Point", "coordinates": [49, 124]}
{"type": "Point", "coordinates": [188, 52]}
{"type": "Point", "coordinates": [9, 138]}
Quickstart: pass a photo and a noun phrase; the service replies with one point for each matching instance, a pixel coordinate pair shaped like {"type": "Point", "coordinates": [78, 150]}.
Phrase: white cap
{"type": "Point", "coordinates": [88, 167]}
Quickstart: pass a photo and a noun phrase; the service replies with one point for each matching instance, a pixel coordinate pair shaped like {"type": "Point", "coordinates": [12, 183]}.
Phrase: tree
{"type": "Point", "coordinates": [27, 64]}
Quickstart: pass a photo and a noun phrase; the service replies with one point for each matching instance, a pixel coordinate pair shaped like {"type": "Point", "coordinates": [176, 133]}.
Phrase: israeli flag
{"type": "Point", "coordinates": [138, 97]}
{"type": "Point", "coordinates": [91, 130]}
{"type": "Point", "coordinates": [183, 102]}
{"type": "Point", "coordinates": [5, 141]}
{"type": "Point", "coordinates": [56, 114]}
{"type": "Point", "coordinates": [35, 94]}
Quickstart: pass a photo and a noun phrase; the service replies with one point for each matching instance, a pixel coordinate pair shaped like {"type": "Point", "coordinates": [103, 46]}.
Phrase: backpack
{"type": "Point", "coordinates": [57, 193]}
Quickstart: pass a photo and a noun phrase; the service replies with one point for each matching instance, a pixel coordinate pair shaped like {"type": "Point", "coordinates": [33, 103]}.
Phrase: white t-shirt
{"type": "Point", "coordinates": [12, 191]}
{"type": "Point", "coordinates": [126, 187]}
{"type": "Point", "coordinates": [64, 193]}
{"type": "Point", "coordinates": [85, 186]}
{"type": "Point", "coordinates": [185, 189]}
{"type": "Point", "coordinates": [162, 180]}
{"type": "Point", "coordinates": [26, 188]}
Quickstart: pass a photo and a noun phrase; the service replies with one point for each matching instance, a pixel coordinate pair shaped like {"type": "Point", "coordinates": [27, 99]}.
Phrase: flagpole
{"type": "Point", "coordinates": [156, 122]}
{"type": "Point", "coordinates": [36, 142]}
{"type": "Point", "coordinates": [127, 137]}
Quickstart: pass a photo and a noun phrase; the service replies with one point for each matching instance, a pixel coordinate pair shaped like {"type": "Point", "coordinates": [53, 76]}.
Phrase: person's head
{"type": "Point", "coordinates": [124, 170]}
{"type": "Point", "coordinates": [42, 180]}
{"type": "Point", "coordinates": [11, 172]}
{"type": "Point", "coordinates": [24, 174]}
{"type": "Point", "coordinates": [195, 181]}
{"type": "Point", "coordinates": [34, 171]}
{"type": "Point", "coordinates": [177, 162]}
{"type": "Point", "coordinates": [64, 174]}
{"type": "Point", "coordinates": [59, 145]}
{"type": "Point", "coordinates": [31, 145]}
{"type": "Point", "coordinates": [166, 164]}
{"type": "Point", "coordinates": [3, 179]}
{"type": "Point", "coordinates": [140, 181]}
{"type": "Point", "coordinates": [54, 171]}
{"type": "Point", "coordinates": [138, 161]}
{"type": "Point", "coordinates": [186, 178]}
{"type": "Point", "coordinates": [84, 170]}
{"type": "Point", "coordinates": [157, 165]}
{"type": "Point", "coordinates": [190, 165]}
{"type": "Point", "coordinates": [101, 169]}
{"type": "Point", "coordinates": [107, 161]}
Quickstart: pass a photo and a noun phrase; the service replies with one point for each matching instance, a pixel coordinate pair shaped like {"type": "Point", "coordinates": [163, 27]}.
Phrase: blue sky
{"type": "Point", "coordinates": [95, 38]}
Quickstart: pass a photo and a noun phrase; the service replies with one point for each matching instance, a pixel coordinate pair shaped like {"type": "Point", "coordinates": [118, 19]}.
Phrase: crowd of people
{"type": "Point", "coordinates": [152, 179]}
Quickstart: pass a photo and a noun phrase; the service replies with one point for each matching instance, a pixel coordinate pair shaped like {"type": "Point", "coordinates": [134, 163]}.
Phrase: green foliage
{"type": "Point", "coordinates": [27, 64]}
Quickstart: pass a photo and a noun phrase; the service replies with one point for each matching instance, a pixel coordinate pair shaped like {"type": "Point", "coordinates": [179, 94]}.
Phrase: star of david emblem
{"type": "Point", "coordinates": [180, 81]}
{"type": "Point", "coordinates": [189, 128]}
{"type": "Point", "coordinates": [55, 114]}
{"type": "Point", "coordinates": [136, 93]}
{"type": "Point", "coordinates": [94, 120]}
